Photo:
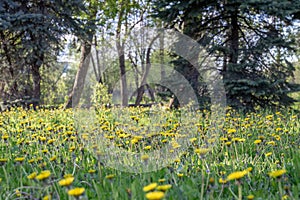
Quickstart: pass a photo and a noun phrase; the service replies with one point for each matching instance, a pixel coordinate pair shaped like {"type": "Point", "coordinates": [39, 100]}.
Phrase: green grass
{"type": "Point", "coordinates": [199, 154]}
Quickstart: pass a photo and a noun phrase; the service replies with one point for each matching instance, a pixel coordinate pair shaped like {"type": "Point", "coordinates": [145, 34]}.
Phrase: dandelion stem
{"type": "Point", "coordinates": [232, 193]}
{"type": "Point", "coordinates": [280, 188]}
{"type": "Point", "coordinates": [221, 192]}
{"type": "Point", "coordinates": [202, 186]}
{"type": "Point", "coordinates": [240, 190]}
{"type": "Point", "coordinates": [6, 177]}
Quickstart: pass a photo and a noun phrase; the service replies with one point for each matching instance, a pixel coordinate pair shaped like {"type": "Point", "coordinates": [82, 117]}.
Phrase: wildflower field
{"type": "Point", "coordinates": [249, 156]}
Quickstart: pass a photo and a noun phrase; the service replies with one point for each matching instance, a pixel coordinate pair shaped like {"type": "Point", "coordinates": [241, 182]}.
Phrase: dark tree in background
{"type": "Point", "coordinates": [251, 41]}
{"type": "Point", "coordinates": [31, 35]}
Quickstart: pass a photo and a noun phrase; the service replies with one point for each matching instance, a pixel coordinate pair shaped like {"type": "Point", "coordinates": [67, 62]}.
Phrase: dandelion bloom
{"type": "Point", "coordinates": [91, 171]}
{"type": "Point", "coordinates": [250, 197]}
{"type": "Point", "coordinates": [257, 141]}
{"type": "Point", "coordinates": [157, 195]}
{"type": "Point", "coordinates": [43, 175]}
{"type": "Point", "coordinates": [145, 157]}
{"type": "Point", "coordinates": [76, 192]}
{"type": "Point", "coordinates": [110, 176]}
{"type": "Point", "coordinates": [150, 187]}
{"type": "Point", "coordinates": [3, 160]}
{"type": "Point", "coordinates": [222, 181]}
{"type": "Point", "coordinates": [249, 169]}
{"type": "Point", "coordinates": [32, 175]}
{"type": "Point", "coordinates": [161, 180]}
{"type": "Point", "coordinates": [272, 143]}
{"type": "Point", "coordinates": [268, 154]}
{"type": "Point", "coordinates": [164, 187]}
{"type": "Point", "coordinates": [19, 159]}
{"type": "Point", "coordinates": [237, 175]}
{"type": "Point", "coordinates": [277, 173]}
{"type": "Point", "coordinates": [231, 130]}
{"type": "Point", "coordinates": [66, 181]}
{"type": "Point", "coordinates": [68, 175]}
{"type": "Point", "coordinates": [48, 197]}
{"type": "Point", "coordinates": [53, 158]}
{"type": "Point", "coordinates": [147, 147]}
{"type": "Point", "coordinates": [202, 151]}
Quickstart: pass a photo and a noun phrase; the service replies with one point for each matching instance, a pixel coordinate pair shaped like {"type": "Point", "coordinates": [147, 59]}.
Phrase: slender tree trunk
{"type": "Point", "coordinates": [122, 66]}
{"type": "Point", "coordinates": [74, 96]}
{"type": "Point", "coordinates": [162, 56]}
{"type": "Point", "coordinates": [234, 40]}
{"type": "Point", "coordinates": [140, 91]}
{"type": "Point", "coordinates": [36, 78]}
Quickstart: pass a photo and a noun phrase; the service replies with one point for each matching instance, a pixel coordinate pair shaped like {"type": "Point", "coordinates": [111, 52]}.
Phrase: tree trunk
{"type": "Point", "coordinates": [234, 40]}
{"type": "Point", "coordinates": [74, 96]}
{"type": "Point", "coordinates": [36, 77]}
{"type": "Point", "coordinates": [123, 84]}
{"type": "Point", "coordinates": [140, 91]}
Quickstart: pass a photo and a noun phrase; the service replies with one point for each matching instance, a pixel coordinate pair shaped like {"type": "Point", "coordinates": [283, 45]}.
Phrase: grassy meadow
{"type": "Point", "coordinates": [44, 155]}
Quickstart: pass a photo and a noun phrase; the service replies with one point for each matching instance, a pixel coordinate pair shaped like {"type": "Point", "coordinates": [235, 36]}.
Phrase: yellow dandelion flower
{"type": "Point", "coordinates": [68, 175]}
{"type": "Point", "coordinates": [257, 141]}
{"type": "Point", "coordinates": [134, 141]}
{"type": "Point", "coordinates": [228, 143]}
{"type": "Point", "coordinates": [268, 154]}
{"type": "Point", "coordinates": [145, 157]}
{"type": "Point", "coordinates": [202, 151]}
{"type": "Point", "coordinates": [277, 173]}
{"type": "Point", "coordinates": [222, 181]}
{"type": "Point", "coordinates": [32, 175]}
{"type": "Point", "coordinates": [19, 159]}
{"type": "Point", "coordinates": [164, 187]}
{"type": "Point", "coordinates": [164, 141]}
{"type": "Point", "coordinates": [110, 176]}
{"type": "Point", "coordinates": [3, 160]}
{"type": "Point", "coordinates": [43, 175]}
{"type": "Point", "coordinates": [18, 193]}
{"type": "Point", "coordinates": [250, 197]}
{"type": "Point", "coordinates": [5, 137]}
{"type": "Point", "coordinates": [237, 175]}
{"type": "Point", "coordinates": [51, 141]}
{"type": "Point", "coordinates": [147, 147]}
{"type": "Point", "coordinates": [66, 181]}
{"type": "Point", "coordinates": [249, 169]}
{"type": "Point", "coordinates": [161, 180]}
{"type": "Point", "coordinates": [231, 130]}
{"type": "Point", "coordinates": [76, 192]}
{"type": "Point", "coordinates": [271, 143]}
{"type": "Point", "coordinates": [235, 139]}
{"type": "Point", "coordinates": [284, 197]}
{"type": "Point", "coordinates": [261, 137]}
{"type": "Point", "coordinates": [157, 195]}
{"type": "Point", "coordinates": [91, 171]}
{"type": "Point", "coordinates": [180, 174]}
{"type": "Point", "coordinates": [48, 197]}
{"type": "Point", "coordinates": [45, 151]}
{"type": "Point", "coordinates": [53, 158]}
{"type": "Point", "coordinates": [150, 187]}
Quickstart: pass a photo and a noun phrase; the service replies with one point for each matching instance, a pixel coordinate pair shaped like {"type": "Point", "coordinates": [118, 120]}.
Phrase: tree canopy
{"type": "Point", "coordinates": [250, 40]}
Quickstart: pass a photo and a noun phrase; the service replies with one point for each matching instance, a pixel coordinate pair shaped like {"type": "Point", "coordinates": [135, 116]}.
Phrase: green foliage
{"type": "Point", "coordinates": [250, 41]}
{"type": "Point", "coordinates": [101, 96]}
{"type": "Point", "coordinates": [31, 35]}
